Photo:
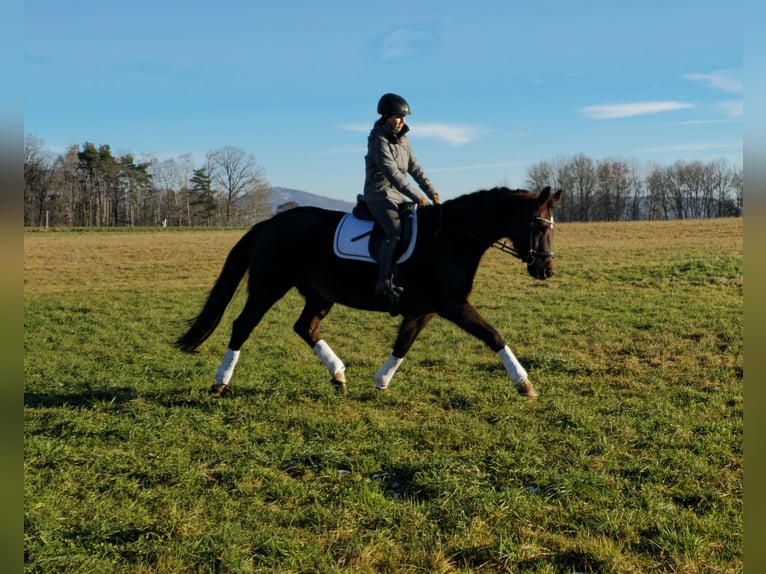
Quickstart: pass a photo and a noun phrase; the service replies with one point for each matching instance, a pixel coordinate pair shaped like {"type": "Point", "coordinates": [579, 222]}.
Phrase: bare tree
{"type": "Point", "coordinates": [183, 197]}
{"type": "Point", "coordinates": [539, 175]}
{"type": "Point", "coordinates": [166, 176]}
{"type": "Point", "coordinates": [612, 185]}
{"type": "Point", "coordinates": [660, 184]}
{"type": "Point", "coordinates": [737, 182]}
{"type": "Point", "coordinates": [578, 177]}
{"type": "Point", "coordinates": [634, 203]}
{"type": "Point", "coordinates": [67, 202]}
{"type": "Point", "coordinates": [38, 179]}
{"type": "Point", "coordinates": [722, 185]}
{"type": "Point", "coordinates": [237, 176]}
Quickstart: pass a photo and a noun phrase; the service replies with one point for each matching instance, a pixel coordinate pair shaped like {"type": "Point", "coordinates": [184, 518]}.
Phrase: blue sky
{"type": "Point", "coordinates": [494, 86]}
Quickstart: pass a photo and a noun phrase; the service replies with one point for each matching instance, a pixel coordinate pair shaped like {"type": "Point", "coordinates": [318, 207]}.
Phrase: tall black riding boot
{"type": "Point", "coordinates": [385, 284]}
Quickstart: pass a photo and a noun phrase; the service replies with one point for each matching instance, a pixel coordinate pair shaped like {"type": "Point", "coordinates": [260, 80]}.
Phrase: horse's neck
{"type": "Point", "coordinates": [484, 223]}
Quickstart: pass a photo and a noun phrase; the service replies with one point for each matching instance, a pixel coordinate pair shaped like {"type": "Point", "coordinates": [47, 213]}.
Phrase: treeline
{"type": "Point", "coordinates": [89, 186]}
{"type": "Point", "coordinates": [618, 190]}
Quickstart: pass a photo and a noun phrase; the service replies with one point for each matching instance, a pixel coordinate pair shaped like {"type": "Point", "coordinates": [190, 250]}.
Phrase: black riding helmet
{"type": "Point", "coordinates": [391, 104]}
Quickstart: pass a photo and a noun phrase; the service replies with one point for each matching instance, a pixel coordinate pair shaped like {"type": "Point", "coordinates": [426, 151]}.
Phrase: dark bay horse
{"type": "Point", "coordinates": [295, 249]}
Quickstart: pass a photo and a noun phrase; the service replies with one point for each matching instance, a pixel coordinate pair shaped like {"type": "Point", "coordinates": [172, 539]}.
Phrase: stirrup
{"type": "Point", "coordinates": [392, 293]}
{"type": "Point", "coordinates": [388, 289]}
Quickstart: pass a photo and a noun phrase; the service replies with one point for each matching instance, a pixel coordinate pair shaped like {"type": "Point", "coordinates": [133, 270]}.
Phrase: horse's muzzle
{"type": "Point", "coordinates": [542, 270]}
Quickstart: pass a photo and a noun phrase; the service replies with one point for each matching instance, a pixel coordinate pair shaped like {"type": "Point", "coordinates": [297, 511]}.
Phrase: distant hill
{"type": "Point", "coordinates": [282, 195]}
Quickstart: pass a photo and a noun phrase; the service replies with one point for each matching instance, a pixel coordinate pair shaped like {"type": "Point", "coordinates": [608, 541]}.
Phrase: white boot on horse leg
{"type": "Point", "coordinates": [517, 373]}
{"type": "Point", "coordinates": [225, 372]}
{"type": "Point", "coordinates": [386, 372]}
{"type": "Point", "coordinates": [333, 363]}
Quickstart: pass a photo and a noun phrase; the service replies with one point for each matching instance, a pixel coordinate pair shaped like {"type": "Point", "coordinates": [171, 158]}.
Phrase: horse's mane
{"type": "Point", "coordinates": [487, 194]}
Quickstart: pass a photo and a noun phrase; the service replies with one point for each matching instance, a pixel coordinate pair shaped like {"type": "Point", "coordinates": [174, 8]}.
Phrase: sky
{"type": "Point", "coordinates": [495, 86]}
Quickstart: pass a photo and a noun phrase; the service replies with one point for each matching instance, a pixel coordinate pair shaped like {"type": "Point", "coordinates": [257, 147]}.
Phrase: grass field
{"type": "Point", "coordinates": [630, 461]}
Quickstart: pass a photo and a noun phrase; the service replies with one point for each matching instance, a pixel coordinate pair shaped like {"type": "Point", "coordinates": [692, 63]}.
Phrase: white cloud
{"type": "Point", "coordinates": [404, 43]}
{"type": "Point", "coordinates": [724, 80]}
{"type": "Point", "coordinates": [453, 134]}
{"type": "Point", "coordinates": [611, 111]}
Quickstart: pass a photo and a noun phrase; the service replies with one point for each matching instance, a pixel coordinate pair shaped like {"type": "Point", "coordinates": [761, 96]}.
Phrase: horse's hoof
{"type": "Point", "coordinates": [339, 386]}
{"type": "Point", "coordinates": [339, 382]}
{"type": "Point", "coordinates": [526, 389]}
{"type": "Point", "coordinates": [217, 390]}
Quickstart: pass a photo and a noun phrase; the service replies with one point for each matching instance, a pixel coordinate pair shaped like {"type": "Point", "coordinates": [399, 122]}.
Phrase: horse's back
{"type": "Point", "coordinates": [301, 219]}
{"type": "Point", "coordinates": [299, 228]}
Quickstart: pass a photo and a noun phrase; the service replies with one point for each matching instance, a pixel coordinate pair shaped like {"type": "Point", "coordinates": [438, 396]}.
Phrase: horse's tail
{"type": "Point", "coordinates": [203, 325]}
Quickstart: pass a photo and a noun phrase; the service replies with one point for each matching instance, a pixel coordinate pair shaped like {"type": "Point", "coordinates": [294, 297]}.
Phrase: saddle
{"type": "Point", "coordinates": [358, 236]}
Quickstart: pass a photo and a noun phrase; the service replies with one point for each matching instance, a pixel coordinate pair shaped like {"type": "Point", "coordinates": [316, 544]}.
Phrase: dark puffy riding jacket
{"type": "Point", "coordinates": [388, 161]}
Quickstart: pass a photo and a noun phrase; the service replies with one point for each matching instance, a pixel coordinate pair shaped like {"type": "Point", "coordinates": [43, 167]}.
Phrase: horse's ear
{"type": "Point", "coordinates": [554, 199]}
{"type": "Point", "coordinates": [544, 195]}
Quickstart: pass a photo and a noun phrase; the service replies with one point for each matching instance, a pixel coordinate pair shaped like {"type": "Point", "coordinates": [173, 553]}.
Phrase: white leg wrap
{"type": "Point", "coordinates": [512, 365]}
{"type": "Point", "coordinates": [329, 358]}
{"type": "Point", "coordinates": [386, 372]}
{"type": "Point", "coordinates": [226, 370]}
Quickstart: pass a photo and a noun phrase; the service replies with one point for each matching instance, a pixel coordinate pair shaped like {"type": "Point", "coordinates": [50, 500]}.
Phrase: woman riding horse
{"type": "Point", "coordinates": [388, 161]}
{"type": "Point", "coordinates": [294, 249]}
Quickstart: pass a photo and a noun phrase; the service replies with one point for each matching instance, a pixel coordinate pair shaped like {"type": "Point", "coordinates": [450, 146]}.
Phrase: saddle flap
{"type": "Point", "coordinates": [355, 237]}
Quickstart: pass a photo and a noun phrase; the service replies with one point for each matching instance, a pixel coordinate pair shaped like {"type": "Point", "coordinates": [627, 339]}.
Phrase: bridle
{"type": "Point", "coordinates": [532, 254]}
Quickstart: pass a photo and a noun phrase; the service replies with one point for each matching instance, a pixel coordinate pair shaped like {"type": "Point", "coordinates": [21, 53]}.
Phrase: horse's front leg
{"type": "Point", "coordinates": [409, 329]}
{"type": "Point", "coordinates": [468, 318]}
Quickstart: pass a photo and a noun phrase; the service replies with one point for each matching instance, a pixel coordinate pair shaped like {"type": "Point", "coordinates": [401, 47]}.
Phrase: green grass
{"type": "Point", "coordinates": [630, 461]}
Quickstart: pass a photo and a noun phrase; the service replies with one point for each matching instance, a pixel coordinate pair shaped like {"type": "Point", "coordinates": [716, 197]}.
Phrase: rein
{"type": "Point", "coordinates": [530, 256]}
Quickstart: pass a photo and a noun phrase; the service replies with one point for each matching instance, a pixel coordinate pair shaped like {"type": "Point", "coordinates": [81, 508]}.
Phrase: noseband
{"type": "Point", "coordinates": [532, 254]}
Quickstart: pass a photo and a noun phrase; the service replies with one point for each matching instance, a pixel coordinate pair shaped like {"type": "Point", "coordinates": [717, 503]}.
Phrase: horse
{"type": "Point", "coordinates": [294, 249]}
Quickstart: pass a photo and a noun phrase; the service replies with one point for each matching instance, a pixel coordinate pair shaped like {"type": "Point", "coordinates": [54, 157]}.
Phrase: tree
{"type": "Point", "coordinates": [99, 174]}
{"type": "Point", "coordinates": [236, 175]}
{"type": "Point", "coordinates": [67, 203]}
{"type": "Point", "coordinates": [548, 173]}
{"type": "Point", "coordinates": [737, 182]}
{"type": "Point", "coordinates": [612, 187]}
{"type": "Point", "coordinates": [203, 202]}
{"type": "Point", "coordinates": [38, 180]}
{"type": "Point", "coordinates": [137, 185]}
{"type": "Point", "coordinates": [88, 186]}
{"type": "Point", "coordinates": [167, 178]}
{"type": "Point", "coordinates": [540, 175]}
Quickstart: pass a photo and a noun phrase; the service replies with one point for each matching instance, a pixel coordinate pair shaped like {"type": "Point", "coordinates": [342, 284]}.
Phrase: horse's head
{"type": "Point", "coordinates": [535, 244]}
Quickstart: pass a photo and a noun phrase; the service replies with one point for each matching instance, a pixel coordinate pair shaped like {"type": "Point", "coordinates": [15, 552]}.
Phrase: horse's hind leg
{"type": "Point", "coordinates": [307, 327]}
{"type": "Point", "coordinates": [258, 303]}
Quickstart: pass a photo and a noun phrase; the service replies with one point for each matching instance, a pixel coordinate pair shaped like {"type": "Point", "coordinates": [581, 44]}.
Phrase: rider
{"type": "Point", "coordinates": [388, 161]}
